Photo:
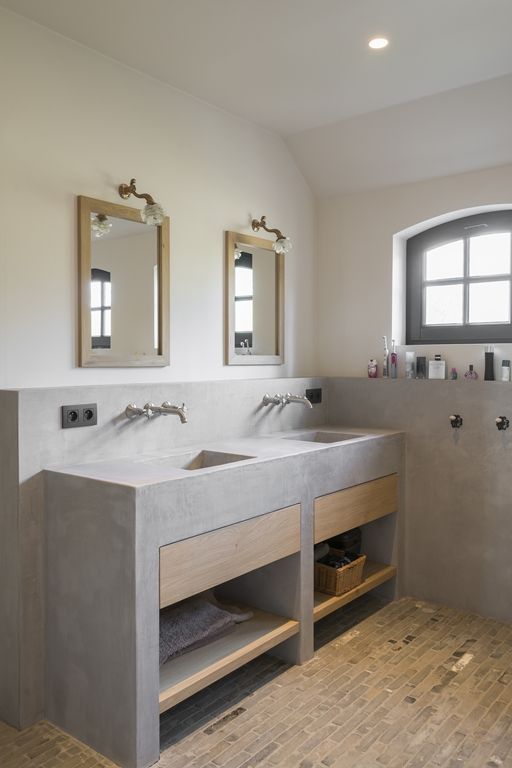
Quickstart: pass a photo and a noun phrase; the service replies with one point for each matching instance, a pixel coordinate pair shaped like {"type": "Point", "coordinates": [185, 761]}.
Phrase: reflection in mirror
{"type": "Point", "coordinates": [254, 301]}
{"type": "Point", "coordinates": [124, 299]}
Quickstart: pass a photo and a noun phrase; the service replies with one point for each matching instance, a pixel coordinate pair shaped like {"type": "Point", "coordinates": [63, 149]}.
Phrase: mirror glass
{"type": "Point", "coordinates": [122, 288]}
{"type": "Point", "coordinates": [254, 301]}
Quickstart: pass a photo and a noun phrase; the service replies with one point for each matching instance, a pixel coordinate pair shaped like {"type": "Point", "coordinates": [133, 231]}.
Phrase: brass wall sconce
{"type": "Point", "coordinates": [152, 213]}
{"type": "Point", "coordinates": [282, 244]}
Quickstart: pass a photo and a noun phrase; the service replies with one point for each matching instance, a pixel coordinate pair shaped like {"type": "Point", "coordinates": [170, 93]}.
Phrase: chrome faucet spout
{"type": "Point", "coordinates": [180, 410]}
{"type": "Point", "coordinates": [289, 398]}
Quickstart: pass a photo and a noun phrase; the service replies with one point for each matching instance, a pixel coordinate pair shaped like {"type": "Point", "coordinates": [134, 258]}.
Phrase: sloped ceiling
{"type": "Point", "coordinates": [352, 117]}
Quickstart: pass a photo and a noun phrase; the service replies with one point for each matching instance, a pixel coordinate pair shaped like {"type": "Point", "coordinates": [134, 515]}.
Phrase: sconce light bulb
{"type": "Point", "coordinates": [283, 245]}
{"type": "Point", "coordinates": [152, 215]}
{"type": "Point", "coordinates": [100, 225]}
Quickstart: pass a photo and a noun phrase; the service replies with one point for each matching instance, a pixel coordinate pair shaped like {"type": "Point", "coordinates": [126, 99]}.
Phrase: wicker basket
{"type": "Point", "coordinates": [337, 581]}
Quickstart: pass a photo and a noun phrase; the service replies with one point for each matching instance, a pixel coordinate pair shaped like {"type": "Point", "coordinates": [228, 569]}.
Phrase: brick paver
{"type": "Point", "coordinates": [400, 685]}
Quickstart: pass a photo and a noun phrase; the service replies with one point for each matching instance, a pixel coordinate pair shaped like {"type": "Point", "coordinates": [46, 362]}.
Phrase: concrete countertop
{"type": "Point", "coordinates": [156, 468]}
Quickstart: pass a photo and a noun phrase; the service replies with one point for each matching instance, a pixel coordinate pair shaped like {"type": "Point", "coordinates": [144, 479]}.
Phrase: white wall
{"type": "Point", "coordinates": [355, 254]}
{"type": "Point", "coordinates": [75, 122]}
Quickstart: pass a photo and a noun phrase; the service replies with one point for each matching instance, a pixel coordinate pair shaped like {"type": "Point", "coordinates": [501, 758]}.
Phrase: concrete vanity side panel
{"type": "Point", "coordinates": [9, 560]}
{"type": "Point", "coordinates": [91, 633]}
{"type": "Point", "coordinates": [216, 410]}
{"type": "Point", "coordinates": [458, 521]}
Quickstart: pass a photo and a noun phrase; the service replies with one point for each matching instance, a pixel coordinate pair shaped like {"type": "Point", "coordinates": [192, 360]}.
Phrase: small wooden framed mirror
{"type": "Point", "coordinates": [254, 296]}
{"type": "Point", "coordinates": [124, 304]}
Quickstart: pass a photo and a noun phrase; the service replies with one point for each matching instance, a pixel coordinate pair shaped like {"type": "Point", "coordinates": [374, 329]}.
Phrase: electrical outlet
{"type": "Point", "coordinates": [85, 415]}
{"type": "Point", "coordinates": [314, 395]}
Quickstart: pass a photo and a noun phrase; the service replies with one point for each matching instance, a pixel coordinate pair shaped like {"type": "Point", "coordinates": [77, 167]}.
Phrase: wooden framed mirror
{"type": "Point", "coordinates": [124, 304]}
{"type": "Point", "coordinates": [254, 296]}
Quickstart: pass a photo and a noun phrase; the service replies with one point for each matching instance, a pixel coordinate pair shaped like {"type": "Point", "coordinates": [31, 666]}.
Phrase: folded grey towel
{"type": "Point", "coordinates": [190, 623]}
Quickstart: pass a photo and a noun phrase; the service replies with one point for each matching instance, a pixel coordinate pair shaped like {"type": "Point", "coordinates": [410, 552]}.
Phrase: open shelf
{"type": "Point", "coordinates": [185, 675]}
{"type": "Point", "coordinates": [373, 575]}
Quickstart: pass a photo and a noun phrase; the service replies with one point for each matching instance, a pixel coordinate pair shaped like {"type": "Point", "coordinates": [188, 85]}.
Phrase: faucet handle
{"type": "Point", "coordinates": [132, 411]}
{"type": "Point", "coordinates": [149, 410]}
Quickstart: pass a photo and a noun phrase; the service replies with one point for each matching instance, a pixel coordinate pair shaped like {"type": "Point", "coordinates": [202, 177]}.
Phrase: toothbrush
{"type": "Point", "coordinates": [385, 362]}
{"type": "Point", "coordinates": [394, 360]}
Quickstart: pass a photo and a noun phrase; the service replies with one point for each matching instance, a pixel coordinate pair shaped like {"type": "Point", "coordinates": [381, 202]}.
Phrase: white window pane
{"type": "Point", "coordinates": [444, 304]}
{"type": "Point", "coordinates": [96, 322]}
{"type": "Point", "coordinates": [243, 282]}
{"type": "Point", "coordinates": [489, 302]}
{"type": "Point", "coordinates": [107, 294]}
{"type": "Point", "coordinates": [107, 323]}
{"type": "Point", "coordinates": [243, 316]}
{"type": "Point", "coordinates": [445, 261]}
{"type": "Point", "coordinates": [489, 254]}
{"type": "Point", "coordinates": [95, 293]}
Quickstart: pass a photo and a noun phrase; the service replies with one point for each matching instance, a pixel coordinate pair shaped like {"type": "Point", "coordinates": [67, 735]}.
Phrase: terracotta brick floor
{"type": "Point", "coordinates": [405, 684]}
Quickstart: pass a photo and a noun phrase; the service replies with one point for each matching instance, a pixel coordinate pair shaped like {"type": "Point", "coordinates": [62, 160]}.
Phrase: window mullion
{"type": "Point", "coordinates": [465, 316]}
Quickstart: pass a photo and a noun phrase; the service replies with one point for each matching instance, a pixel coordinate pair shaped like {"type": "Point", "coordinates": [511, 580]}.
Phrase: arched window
{"type": "Point", "coordinates": [459, 281]}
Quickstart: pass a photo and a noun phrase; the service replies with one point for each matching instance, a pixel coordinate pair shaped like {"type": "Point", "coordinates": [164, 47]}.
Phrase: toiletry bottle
{"type": "Point", "coordinates": [471, 374]}
{"type": "Point", "coordinates": [505, 370]}
{"type": "Point", "coordinates": [421, 367]}
{"type": "Point", "coordinates": [453, 374]}
{"type": "Point", "coordinates": [394, 360]}
{"type": "Point", "coordinates": [489, 363]}
{"type": "Point", "coordinates": [385, 362]}
{"type": "Point", "coordinates": [372, 369]}
{"type": "Point", "coordinates": [409, 365]}
{"type": "Point", "coordinates": [436, 368]}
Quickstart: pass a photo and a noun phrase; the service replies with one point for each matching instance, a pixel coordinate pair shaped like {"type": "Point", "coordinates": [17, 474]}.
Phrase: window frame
{"type": "Point", "coordinates": [244, 262]}
{"type": "Point", "coordinates": [101, 276]}
{"type": "Point", "coordinates": [462, 228]}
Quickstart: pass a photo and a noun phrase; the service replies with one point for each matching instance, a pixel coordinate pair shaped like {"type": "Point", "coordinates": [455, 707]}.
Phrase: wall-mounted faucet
{"type": "Point", "coordinates": [150, 410]}
{"type": "Point", "coordinates": [273, 399]}
{"type": "Point", "coordinates": [289, 398]}
{"type": "Point", "coordinates": [456, 421]}
{"type": "Point", "coordinates": [502, 422]}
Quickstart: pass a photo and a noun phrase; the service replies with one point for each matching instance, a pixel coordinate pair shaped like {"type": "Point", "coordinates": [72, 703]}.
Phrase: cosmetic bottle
{"type": "Point", "coordinates": [436, 368]}
{"type": "Point", "coordinates": [471, 374]}
{"type": "Point", "coordinates": [409, 365]}
{"type": "Point", "coordinates": [394, 360]}
{"type": "Point", "coordinates": [453, 374]}
{"type": "Point", "coordinates": [421, 367]}
{"type": "Point", "coordinates": [372, 369]}
{"type": "Point", "coordinates": [489, 363]}
{"type": "Point", "coordinates": [385, 362]}
{"type": "Point", "coordinates": [505, 370]}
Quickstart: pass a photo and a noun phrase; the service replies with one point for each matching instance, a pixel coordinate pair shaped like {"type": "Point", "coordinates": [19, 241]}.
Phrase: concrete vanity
{"type": "Point", "coordinates": [119, 546]}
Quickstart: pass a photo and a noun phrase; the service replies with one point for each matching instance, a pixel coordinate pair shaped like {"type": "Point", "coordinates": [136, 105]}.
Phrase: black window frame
{"type": "Point", "coordinates": [462, 228]}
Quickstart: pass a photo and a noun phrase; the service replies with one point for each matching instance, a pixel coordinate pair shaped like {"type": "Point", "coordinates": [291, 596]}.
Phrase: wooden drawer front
{"type": "Point", "coordinates": [340, 511]}
{"type": "Point", "coordinates": [196, 564]}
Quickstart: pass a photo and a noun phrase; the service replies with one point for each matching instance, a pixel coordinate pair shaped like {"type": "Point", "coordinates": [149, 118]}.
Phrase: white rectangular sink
{"type": "Point", "coordinates": [317, 436]}
{"type": "Point", "coordinates": [197, 460]}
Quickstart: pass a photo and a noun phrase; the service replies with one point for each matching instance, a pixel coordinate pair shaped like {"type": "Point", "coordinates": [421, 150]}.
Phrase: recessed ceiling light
{"type": "Point", "coordinates": [378, 42]}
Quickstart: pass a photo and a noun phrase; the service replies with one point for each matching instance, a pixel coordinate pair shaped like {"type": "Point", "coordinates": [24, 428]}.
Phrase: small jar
{"type": "Point", "coordinates": [505, 370]}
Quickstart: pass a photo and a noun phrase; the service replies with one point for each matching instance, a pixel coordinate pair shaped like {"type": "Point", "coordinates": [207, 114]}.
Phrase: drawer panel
{"type": "Point", "coordinates": [360, 504]}
{"type": "Point", "coordinates": [203, 561]}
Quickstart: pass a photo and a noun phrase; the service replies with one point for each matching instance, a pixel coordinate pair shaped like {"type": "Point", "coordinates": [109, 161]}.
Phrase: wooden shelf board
{"type": "Point", "coordinates": [185, 675]}
{"type": "Point", "coordinates": [374, 574]}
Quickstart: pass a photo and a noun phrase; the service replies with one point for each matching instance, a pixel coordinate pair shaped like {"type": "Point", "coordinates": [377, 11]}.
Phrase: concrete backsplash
{"type": "Point", "coordinates": [32, 418]}
{"type": "Point", "coordinates": [458, 517]}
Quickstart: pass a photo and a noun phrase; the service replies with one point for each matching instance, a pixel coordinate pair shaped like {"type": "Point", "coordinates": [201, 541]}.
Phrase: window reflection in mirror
{"type": "Point", "coordinates": [254, 296]}
{"type": "Point", "coordinates": [124, 286]}
{"type": "Point", "coordinates": [123, 308]}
